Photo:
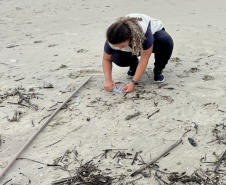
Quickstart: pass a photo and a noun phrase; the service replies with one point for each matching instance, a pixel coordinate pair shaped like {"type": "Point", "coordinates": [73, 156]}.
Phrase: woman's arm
{"type": "Point", "coordinates": [145, 55]}
{"type": "Point", "coordinates": [107, 67]}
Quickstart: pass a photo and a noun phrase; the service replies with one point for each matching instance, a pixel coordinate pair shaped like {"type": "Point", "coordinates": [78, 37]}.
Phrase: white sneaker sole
{"type": "Point", "coordinates": [159, 81]}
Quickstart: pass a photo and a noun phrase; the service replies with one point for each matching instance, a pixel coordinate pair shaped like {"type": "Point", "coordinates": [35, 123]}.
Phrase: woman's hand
{"type": "Point", "coordinates": [109, 84]}
{"type": "Point", "coordinates": [129, 87]}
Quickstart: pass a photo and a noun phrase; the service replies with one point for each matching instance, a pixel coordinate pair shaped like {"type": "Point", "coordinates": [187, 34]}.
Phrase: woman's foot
{"type": "Point", "coordinates": [158, 76]}
{"type": "Point", "coordinates": [132, 69]}
{"type": "Point", "coordinates": [131, 72]}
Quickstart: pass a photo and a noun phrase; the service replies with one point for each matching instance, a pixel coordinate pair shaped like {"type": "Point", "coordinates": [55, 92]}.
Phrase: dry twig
{"type": "Point", "coordinates": [157, 158]}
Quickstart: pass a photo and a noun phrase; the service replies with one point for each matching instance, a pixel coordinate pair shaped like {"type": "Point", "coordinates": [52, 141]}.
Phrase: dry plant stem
{"type": "Point", "coordinates": [31, 160]}
{"type": "Point", "coordinates": [153, 113]}
{"type": "Point", "coordinates": [25, 99]}
{"type": "Point", "coordinates": [219, 162]}
{"type": "Point", "coordinates": [19, 79]}
{"type": "Point", "coordinates": [44, 118]}
{"type": "Point", "coordinates": [157, 158]}
{"type": "Point", "coordinates": [53, 144]}
{"type": "Point", "coordinates": [135, 158]}
{"type": "Point", "coordinates": [41, 127]}
{"type": "Point", "coordinates": [19, 104]}
{"type": "Point", "coordinates": [7, 181]}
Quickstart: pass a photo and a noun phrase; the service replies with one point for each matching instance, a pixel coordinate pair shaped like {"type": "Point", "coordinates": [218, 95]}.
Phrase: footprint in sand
{"type": "Point", "coordinates": [208, 77]}
{"type": "Point", "coordinates": [82, 51]}
{"type": "Point", "coordinates": [194, 70]}
{"type": "Point", "coordinates": [176, 60]}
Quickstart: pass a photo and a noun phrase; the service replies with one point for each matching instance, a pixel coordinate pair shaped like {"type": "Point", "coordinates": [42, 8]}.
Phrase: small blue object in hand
{"type": "Point", "coordinates": [119, 90]}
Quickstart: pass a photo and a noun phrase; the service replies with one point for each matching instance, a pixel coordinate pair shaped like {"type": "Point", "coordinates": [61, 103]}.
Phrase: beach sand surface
{"type": "Point", "coordinates": [49, 48]}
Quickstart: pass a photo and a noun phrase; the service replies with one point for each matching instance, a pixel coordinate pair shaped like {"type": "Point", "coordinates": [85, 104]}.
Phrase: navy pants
{"type": "Point", "coordinates": [162, 48]}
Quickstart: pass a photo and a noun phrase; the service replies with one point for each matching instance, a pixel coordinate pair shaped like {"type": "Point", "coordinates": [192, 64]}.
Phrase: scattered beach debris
{"type": "Point", "coordinates": [86, 174]}
{"type": "Point", "coordinates": [156, 158]}
{"type": "Point", "coordinates": [192, 142]}
{"type": "Point", "coordinates": [135, 157]}
{"type": "Point", "coordinates": [208, 77]}
{"type": "Point", "coordinates": [130, 116]}
{"type": "Point", "coordinates": [41, 127]}
{"type": "Point", "coordinates": [78, 100]}
{"type": "Point", "coordinates": [194, 70]}
{"type": "Point", "coordinates": [61, 67]}
{"type": "Point", "coordinates": [12, 46]}
{"type": "Point", "coordinates": [153, 113]}
{"type": "Point", "coordinates": [176, 59]}
{"type": "Point", "coordinates": [222, 158]}
{"type": "Point", "coordinates": [82, 51]}
{"type": "Point", "coordinates": [175, 177]}
{"type": "Point", "coordinates": [219, 132]}
{"type": "Point", "coordinates": [14, 115]}
{"type": "Point", "coordinates": [101, 169]}
{"type": "Point", "coordinates": [23, 96]}
{"type": "Point", "coordinates": [52, 45]}
{"type": "Point", "coordinates": [19, 79]}
{"type": "Point", "coordinates": [25, 99]}
{"type": "Point", "coordinates": [74, 75]}
{"type": "Point", "coordinates": [197, 60]}
{"type": "Point", "coordinates": [38, 41]}
{"type": "Point", "coordinates": [47, 85]}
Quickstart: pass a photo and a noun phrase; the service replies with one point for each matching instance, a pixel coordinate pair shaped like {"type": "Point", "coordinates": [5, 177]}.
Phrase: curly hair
{"type": "Point", "coordinates": [127, 28]}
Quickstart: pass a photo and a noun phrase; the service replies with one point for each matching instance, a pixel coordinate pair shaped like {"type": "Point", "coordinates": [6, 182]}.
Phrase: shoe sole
{"type": "Point", "coordinates": [130, 75]}
{"type": "Point", "coordinates": [159, 81]}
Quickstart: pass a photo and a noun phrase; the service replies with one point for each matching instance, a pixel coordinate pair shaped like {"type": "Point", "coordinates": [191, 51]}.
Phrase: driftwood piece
{"type": "Point", "coordinates": [156, 158]}
{"type": "Point", "coordinates": [128, 117]}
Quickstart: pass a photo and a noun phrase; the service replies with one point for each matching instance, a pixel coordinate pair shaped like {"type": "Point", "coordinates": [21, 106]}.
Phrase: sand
{"type": "Point", "coordinates": [59, 44]}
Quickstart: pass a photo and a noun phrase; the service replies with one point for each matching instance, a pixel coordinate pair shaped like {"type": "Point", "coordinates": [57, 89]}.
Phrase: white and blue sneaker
{"type": "Point", "coordinates": [158, 76]}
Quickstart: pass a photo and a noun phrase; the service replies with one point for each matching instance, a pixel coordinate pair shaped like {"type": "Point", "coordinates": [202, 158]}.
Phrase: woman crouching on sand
{"type": "Point", "coordinates": [132, 36]}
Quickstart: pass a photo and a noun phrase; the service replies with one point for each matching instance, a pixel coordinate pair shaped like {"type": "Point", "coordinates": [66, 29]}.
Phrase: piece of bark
{"type": "Point", "coordinates": [128, 117]}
